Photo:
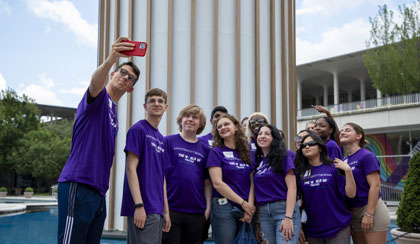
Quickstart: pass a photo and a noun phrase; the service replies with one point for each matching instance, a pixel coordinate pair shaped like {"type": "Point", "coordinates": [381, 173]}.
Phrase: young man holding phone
{"type": "Point", "coordinates": [84, 180]}
{"type": "Point", "coordinates": [144, 200]}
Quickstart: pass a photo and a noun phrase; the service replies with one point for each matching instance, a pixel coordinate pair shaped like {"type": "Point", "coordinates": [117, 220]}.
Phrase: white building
{"type": "Point", "coordinates": [343, 85]}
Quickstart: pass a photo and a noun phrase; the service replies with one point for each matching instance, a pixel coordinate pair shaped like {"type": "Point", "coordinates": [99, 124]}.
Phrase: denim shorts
{"type": "Point", "coordinates": [271, 216]}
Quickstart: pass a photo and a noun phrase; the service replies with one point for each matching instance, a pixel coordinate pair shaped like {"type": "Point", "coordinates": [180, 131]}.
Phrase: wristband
{"type": "Point", "coordinates": [369, 215]}
{"type": "Point", "coordinates": [287, 217]}
{"type": "Point", "coordinates": [242, 202]}
{"type": "Point", "coordinates": [138, 205]}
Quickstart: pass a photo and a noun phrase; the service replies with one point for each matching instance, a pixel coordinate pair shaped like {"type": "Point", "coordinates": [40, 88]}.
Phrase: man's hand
{"type": "Point", "coordinates": [120, 46]}
{"type": "Point", "coordinates": [140, 217]}
{"type": "Point", "coordinates": [166, 222]}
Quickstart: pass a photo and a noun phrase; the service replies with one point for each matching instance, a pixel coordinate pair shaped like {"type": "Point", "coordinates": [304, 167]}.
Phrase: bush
{"type": "Point", "coordinates": [3, 189]}
{"type": "Point", "coordinates": [408, 213]}
{"type": "Point", "coordinates": [29, 189]}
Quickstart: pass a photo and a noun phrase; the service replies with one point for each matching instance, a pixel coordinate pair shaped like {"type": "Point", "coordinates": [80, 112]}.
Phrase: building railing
{"type": "Point", "coordinates": [390, 193]}
{"type": "Point", "coordinates": [377, 103]}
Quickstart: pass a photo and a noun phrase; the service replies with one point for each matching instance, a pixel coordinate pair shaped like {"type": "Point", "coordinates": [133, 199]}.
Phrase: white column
{"type": "Point", "coordinates": [299, 96]}
{"type": "Point", "coordinates": [325, 94]}
{"type": "Point", "coordinates": [350, 95]}
{"type": "Point", "coordinates": [379, 97]}
{"type": "Point", "coordinates": [317, 99]}
{"type": "Point", "coordinates": [336, 91]}
{"type": "Point", "coordinates": [362, 90]}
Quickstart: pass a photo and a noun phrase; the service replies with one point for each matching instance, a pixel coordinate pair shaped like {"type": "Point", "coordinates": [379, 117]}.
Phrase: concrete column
{"type": "Point", "coordinates": [299, 97]}
{"type": "Point", "coordinates": [336, 91]}
{"type": "Point", "coordinates": [325, 95]}
{"type": "Point", "coordinates": [379, 98]}
{"type": "Point", "coordinates": [350, 95]}
{"type": "Point", "coordinates": [362, 90]}
{"type": "Point", "coordinates": [317, 99]}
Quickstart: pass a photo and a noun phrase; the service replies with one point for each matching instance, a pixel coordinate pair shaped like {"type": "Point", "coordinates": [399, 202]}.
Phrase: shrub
{"type": "Point", "coordinates": [408, 213]}
{"type": "Point", "coordinates": [29, 189]}
{"type": "Point", "coordinates": [3, 189]}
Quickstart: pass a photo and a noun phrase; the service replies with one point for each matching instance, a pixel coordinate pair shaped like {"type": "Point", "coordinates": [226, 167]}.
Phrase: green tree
{"type": "Point", "coordinates": [18, 116]}
{"type": "Point", "coordinates": [393, 62]}
{"type": "Point", "coordinates": [42, 153]}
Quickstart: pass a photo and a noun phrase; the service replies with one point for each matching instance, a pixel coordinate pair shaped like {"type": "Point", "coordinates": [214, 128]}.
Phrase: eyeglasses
{"type": "Point", "coordinates": [254, 121]}
{"type": "Point", "coordinates": [309, 143]}
{"type": "Point", "coordinates": [124, 72]}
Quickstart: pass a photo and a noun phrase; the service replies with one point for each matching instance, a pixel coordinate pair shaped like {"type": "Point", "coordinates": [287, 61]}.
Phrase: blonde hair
{"type": "Point", "coordinates": [248, 131]}
{"type": "Point", "coordinates": [194, 110]}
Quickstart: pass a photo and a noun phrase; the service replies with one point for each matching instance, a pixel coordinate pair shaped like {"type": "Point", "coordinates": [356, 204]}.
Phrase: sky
{"type": "Point", "coordinates": [48, 49]}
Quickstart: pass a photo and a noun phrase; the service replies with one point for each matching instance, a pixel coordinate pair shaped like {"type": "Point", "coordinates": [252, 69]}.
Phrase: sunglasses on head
{"type": "Point", "coordinates": [309, 143]}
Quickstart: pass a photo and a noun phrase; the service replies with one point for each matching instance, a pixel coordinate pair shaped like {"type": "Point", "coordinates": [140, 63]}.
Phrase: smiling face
{"type": "Point", "coordinates": [255, 122]}
{"type": "Point", "coordinates": [310, 148]}
{"type": "Point", "coordinates": [323, 129]}
{"type": "Point", "coordinates": [226, 128]}
{"type": "Point", "coordinates": [349, 136]}
{"type": "Point", "coordinates": [190, 123]}
{"type": "Point", "coordinates": [264, 137]}
{"type": "Point", "coordinates": [124, 78]}
{"type": "Point", "coordinates": [155, 106]}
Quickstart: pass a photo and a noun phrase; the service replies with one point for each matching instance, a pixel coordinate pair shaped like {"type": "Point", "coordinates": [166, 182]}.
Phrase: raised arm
{"type": "Point", "coordinates": [324, 110]}
{"type": "Point", "coordinates": [99, 79]}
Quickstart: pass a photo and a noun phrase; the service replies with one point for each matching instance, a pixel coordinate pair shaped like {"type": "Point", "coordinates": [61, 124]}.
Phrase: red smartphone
{"type": "Point", "coordinates": [139, 49]}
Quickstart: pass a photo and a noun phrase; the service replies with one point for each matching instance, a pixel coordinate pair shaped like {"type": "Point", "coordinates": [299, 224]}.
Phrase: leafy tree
{"type": "Point", "coordinates": [43, 152]}
{"type": "Point", "coordinates": [394, 60]}
{"type": "Point", "coordinates": [18, 116]}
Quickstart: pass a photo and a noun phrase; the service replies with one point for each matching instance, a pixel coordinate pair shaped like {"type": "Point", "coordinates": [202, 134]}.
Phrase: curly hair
{"type": "Point", "coordinates": [240, 141]}
{"type": "Point", "coordinates": [277, 150]}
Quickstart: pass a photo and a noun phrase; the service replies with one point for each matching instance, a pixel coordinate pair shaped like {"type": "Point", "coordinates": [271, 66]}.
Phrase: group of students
{"type": "Point", "coordinates": [175, 186]}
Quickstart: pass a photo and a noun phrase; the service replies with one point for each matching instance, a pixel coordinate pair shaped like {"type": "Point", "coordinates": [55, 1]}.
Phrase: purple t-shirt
{"type": "Point", "coordinates": [292, 154]}
{"type": "Point", "coordinates": [324, 199]}
{"type": "Point", "coordinates": [93, 143]}
{"type": "Point", "coordinates": [235, 173]}
{"type": "Point", "coordinates": [362, 163]}
{"type": "Point", "coordinates": [185, 175]}
{"type": "Point", "coordinates": [333, 149]}
{"type": "Point", "coordinates": [149, 145]}
{"type": "Point", "coordinates": [269, 186]}
{"type": "Point", "coordinates": [207, 140]}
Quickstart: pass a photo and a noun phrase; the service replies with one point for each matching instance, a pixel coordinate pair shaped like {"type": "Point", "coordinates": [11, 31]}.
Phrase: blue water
{"type": "Point", "coordinates": [41, 227]}
{"type": "Point", "coordinates": [34, 228]}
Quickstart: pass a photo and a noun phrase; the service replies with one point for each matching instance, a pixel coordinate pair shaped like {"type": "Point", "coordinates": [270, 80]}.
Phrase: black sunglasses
{"type": "Point", "coordinates": [259, 121]}
{"type": "Point", "coordinates": [309, 143]}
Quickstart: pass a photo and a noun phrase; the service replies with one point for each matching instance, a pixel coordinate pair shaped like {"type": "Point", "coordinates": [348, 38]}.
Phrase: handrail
{"type": "Point", "coordinates": [377, 103]}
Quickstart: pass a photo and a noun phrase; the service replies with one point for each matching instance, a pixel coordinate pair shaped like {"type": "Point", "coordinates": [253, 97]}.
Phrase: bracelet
{"type": "Point", "coordinates": [369, 215]}
{"type": "Point", "coordinates": [287, 217]}
{"type": "Point", "coordinates": [242, 202]}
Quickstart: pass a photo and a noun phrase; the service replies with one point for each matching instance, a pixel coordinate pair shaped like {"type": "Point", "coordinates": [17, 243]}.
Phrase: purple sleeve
{"type": "Point", "coordinates": [85, 106]}
{"type": "Point", "coordinates": [288, 164]}
{"type": "Point", "coordinates": [370, 163]}
{"type": "Point", "coordinates": [134, 142]}
{"type": "Point", "coordinates": [213, 159]}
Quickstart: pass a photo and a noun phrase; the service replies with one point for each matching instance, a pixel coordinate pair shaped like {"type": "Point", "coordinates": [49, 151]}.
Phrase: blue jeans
{"type": "Point", "coordinates": [271, 215]}
{"type": "Point", "coordinates": [223, 224]}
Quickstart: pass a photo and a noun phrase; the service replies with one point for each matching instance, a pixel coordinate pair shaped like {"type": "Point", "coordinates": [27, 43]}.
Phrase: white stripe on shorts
{"type": "Point", "coordinates": [70, 213]}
